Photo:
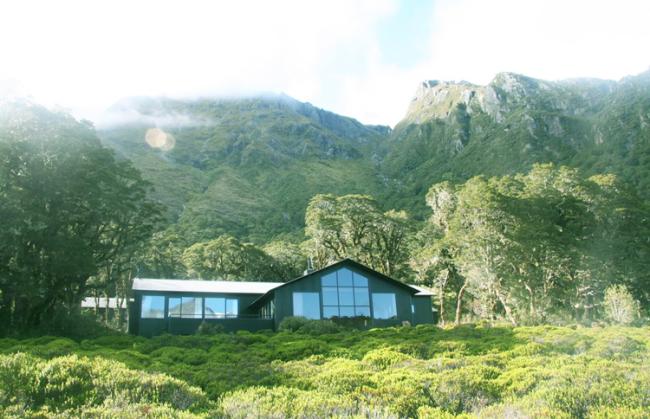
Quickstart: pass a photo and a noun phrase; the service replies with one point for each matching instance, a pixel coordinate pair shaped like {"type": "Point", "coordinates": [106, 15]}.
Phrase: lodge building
{"type": "Point", "coordinates": [342, 291]}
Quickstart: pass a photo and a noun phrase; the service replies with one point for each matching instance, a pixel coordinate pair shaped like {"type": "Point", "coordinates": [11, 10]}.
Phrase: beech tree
{"type": "Point", "coordinates": [354, 226]}
{"type": "Point", "coordinates": [68, 208]}
{"type": "Point", "coordinates": [531, 246]}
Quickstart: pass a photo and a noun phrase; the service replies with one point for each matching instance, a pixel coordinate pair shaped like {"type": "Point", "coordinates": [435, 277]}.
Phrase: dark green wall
{"type": "Point", "coordinates": [423, 310]}
{"type": "Point", "coordinates": [283, 298]}
{"type": "Point", "coordinates": [180, 326]}
{"type": "Point", "coordinates": [403, 297]}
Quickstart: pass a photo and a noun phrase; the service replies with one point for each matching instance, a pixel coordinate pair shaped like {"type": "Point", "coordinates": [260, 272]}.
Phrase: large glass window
{"type": "Point", "coordinates": [153, 307]}
{"type": "Point", "coordinates": [306, 304]}
{"type": "Point", "coordinates": [268, 311]}
{"type": "Point", "coordinates": [185, 307]}
{"type": "Point", "coordinates": [383, 306]}
{"type": "Point", "coordinates": [232, 308]}
{"type": "Point", "coordinates": [174, 307]}
{"type": "Point", "coordinates": [219, 308]}
{"type": "Point", "coordinates": [345, 294]}
{"type": "Point", "coordinates": [215, 308]}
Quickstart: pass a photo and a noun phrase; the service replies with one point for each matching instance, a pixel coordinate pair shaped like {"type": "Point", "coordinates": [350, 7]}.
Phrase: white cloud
{"type": "Point", "coordinates": [551, 39]}
{"type": "Point", "coordinates": [86, 55]}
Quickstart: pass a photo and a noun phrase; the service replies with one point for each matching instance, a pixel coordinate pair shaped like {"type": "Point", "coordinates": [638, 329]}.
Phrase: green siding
{"type": "Point", "coordinates": [403, 298]}
{"type": "Point", "coordinates": [423, 310]}
{"type": "Point", "coordinates": [411, 308]}
{"type": "Point", "coordinates": [180, 326]}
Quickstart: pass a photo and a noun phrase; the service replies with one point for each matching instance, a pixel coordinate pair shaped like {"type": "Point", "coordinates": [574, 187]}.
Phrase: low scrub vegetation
{"type": "Point", "coordinates": [423, 371]}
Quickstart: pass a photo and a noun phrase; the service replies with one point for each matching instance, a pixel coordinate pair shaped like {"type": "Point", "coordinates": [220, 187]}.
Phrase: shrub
{"type": "Point", "coordinates": [620, 306]}
{"type": "Point", "coordinates": [18, 380]}
{"type": "Point", "coordinates": [384, 358]}
{"type": "Point", "coordinates": [209, 329]}
{"type": "Point", "coordinates": [284, 402]}
{"type": "Point", "coordinates": [292, 323]}
{"type": "Point", "coordinates": [320, 327]}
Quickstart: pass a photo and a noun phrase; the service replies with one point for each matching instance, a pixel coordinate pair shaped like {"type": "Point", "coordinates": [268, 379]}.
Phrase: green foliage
{"type": "Point", "coordinates": [619, 305]}
{"type": "Point", "coordinates": [533, 246]}
{"type": "Point", "coordinates": [353, 226]}
{"type": "Point", "coordinates": [206, 328]}
{"type": "Point", "coordinates": [304, 325]}
{"type": "Point", "coordinates": [292, 323]}
{"type": "Point", "coordinates": [67, 383]}
{"type": "Point", "coordinates": [246, 167]}
{"type": "Point", "coordinates": [423, 371]}
{"type": "Point", "coordinates": [72, 211]}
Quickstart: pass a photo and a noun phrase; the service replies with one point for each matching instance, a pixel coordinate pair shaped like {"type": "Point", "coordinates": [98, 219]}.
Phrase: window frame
{"type": "Point", "coordinates": [350, 285]}
{"type": "Point", "coordinates": [312, 294]}
{"type": "Point", "coordinates": [394, 305]}
{"type": "Point", "coordinates": [153, 296]}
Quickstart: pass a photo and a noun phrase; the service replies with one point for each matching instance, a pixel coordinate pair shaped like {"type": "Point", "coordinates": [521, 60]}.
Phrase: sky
{"type": "Point", "coordinates": [362, 59]}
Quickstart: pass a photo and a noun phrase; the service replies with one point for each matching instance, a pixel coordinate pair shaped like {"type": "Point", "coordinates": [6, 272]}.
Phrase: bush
{"type": "Point", "coordinates": [320, 327]}
{"type": "Point", "coordinates": [384, 358]}
{"type": "Point", "coordinates": [18, 380]}
{"type": "Point", "coordinates": [469, 371]}
{"type": "Point", "coordinates": [292, 323]}
{"type": "Point", "coordinates": [209, 329]}
{"type": "Point", "coordinates": [620, 306]}
{"type": "Point", "coordinates": [312, 327]}
{"type": "Point", "coordinates": [284, 402]}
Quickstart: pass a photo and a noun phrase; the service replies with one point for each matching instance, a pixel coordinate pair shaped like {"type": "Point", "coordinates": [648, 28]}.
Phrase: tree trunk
{"type": "Point", "coordinates": [507, 308]}
{"type": "Point", "coordinates": [441, 299]}
{"type": "Point", "coordinates": [459, 302]}
{"type": "Point", "coordinates": [531, 303]}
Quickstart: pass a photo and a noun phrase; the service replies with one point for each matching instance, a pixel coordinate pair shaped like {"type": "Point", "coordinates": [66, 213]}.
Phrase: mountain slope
{"type": "Point", "coordinates": [453, 131]}
{"type": "Point", "coordinates": [243, 166]}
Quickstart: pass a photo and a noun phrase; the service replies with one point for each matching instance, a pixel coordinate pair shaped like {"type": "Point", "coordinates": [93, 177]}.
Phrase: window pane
{"type": "Point", "coordinates": [232, 308]}
{"type": "Point", "coordinates": [361, 297]}
{"type": "Point", "coordinates": [345, 277]}
{"type": "Point", "coordinates": [383, 306]}
{"type": "Point", "coordinates": [346, 296]}
{"type": "Point", "coordinates": [362, 311]}
{"type": "Point", "coordinates": [174, 307]}
{"type": "Point", "coordinates": [330, 296]}
{"type": "Point", "coordinates": [329, 280]}
{"type": "Point", "coordinates": [347, 311]}
{"type": "Point", "coordinates": [192, 307]}
{"type": "Point", "coordinates": [306, 304]}
{"type": "Point", "coordinates": [359, 280]}
{"type": "Point", "coordinates": [329, 312]}
{"type": "Point", "coordinates": [215, 308]}
{"type": "Point", "coordinates": [153, 307]}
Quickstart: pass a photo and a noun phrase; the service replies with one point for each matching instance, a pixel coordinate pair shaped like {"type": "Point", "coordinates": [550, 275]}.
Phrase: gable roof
{"type": "Point", "coordinates": [250, 287]}
{"type": "Point", "coordinates": [414, 289]}
{"type": "Point", "coordinates": [199, 286]}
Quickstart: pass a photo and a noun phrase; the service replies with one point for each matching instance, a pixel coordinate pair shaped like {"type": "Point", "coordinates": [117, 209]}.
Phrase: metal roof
{"type": "Point", "coordinates": [419, 291]}
{"type": "Point", "coordinates": [199, 286]}
{"type": "Point", "coordinates": [422, 291]}
{"type": "Point", "coordinates": [92, 302]}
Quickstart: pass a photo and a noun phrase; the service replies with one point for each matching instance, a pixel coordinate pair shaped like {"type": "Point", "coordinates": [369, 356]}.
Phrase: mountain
{"type": "Point", "coordinates": [248, 166]}
{"type": "Point", "coordinates": [245, 166]}
{"type": "Point", "coordinates": [456, 130]}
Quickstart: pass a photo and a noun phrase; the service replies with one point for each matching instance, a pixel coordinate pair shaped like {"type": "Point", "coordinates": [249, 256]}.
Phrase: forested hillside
{"type": "Point", "coordinates": [453, 131]}
{"type": "Point", "coordinates": [246, 167]}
